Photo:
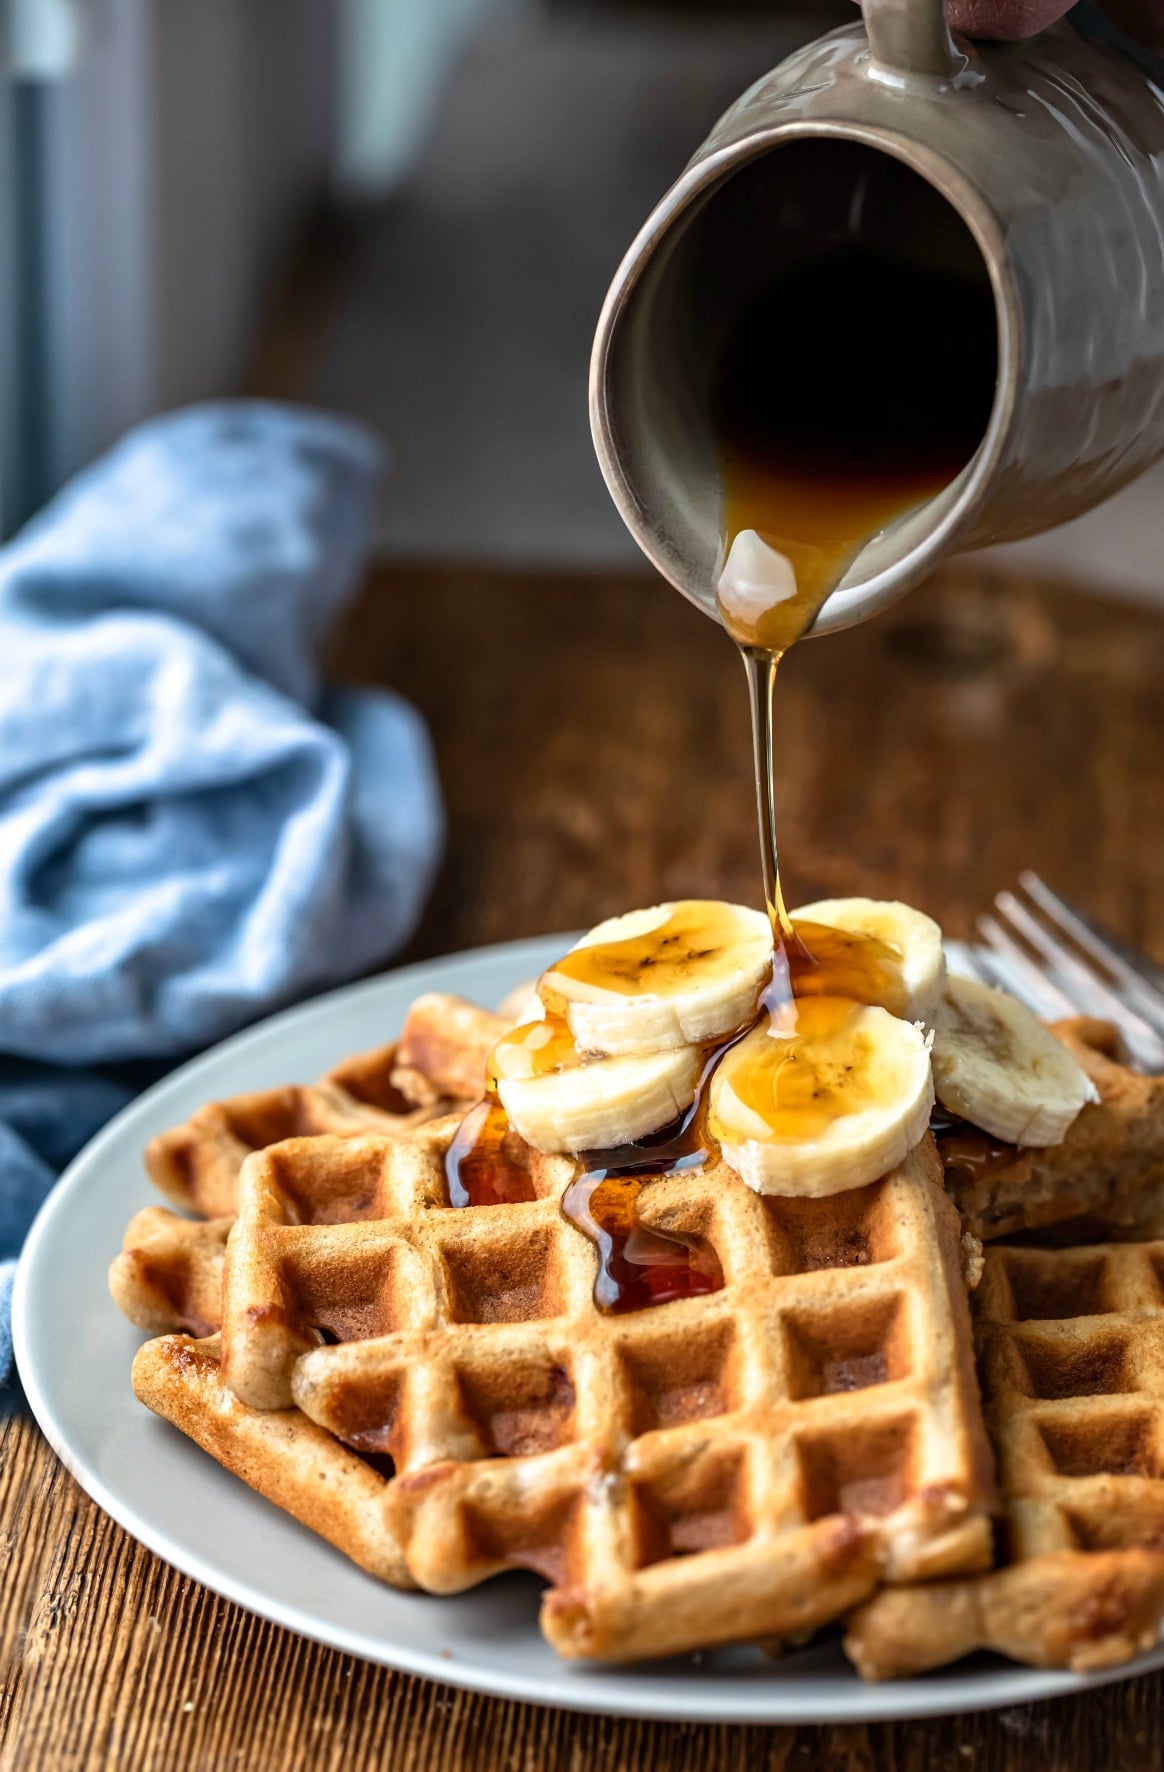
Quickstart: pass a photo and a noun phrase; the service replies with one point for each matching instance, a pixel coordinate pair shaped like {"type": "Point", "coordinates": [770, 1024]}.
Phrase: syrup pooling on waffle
{"type": "Point", "coordinates": [626, 1069]}
{"type": "Point", "coordinates": [810, 1078]}
{"type": "Point", "coordinates": [487, 1163]}
{"type": "Point", "coordinates": [792, 1422]}
{"type": "Point", "coordinates": [1071, 1356]}
{"type": "Point", "coordinates": [694, 1473]}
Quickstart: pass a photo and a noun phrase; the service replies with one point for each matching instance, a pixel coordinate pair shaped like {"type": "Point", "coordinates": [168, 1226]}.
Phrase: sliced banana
{"type": "Point", "coordinates": [892, 957]}
{"type": "Point", "coordinates": [823, 1096]}
{"type": "Point", "coordinates": [657, 980]}
{"type": "Point", "coordinates": [563, 1101]}
{"type": "Point", "coordinates": [997, 1066]}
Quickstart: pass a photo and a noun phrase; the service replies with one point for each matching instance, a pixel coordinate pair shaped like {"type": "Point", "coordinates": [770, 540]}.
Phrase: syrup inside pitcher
{"type": "Point", "coordinates": [819, 331]}
{"type": "Point", "coordinates": [853, 383]}
{"type": "Point", "coordinates": [850, 389]}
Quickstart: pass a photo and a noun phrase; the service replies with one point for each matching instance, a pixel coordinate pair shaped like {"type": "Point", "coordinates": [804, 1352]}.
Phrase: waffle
{"type": "Point", "coordinates": [168, 1275]}
{"type": "Point", "coordinates": [281, 1454]}
{"type": "Point", "coordinates": [689, 1474]}
{"type": "Point", "coordinates": [1113, 1154]}
{"type": "Point", "coordinates": [169, 1272]}
{"type": "Point", "coordinates": [1071, 1356]}
{"type": "Point", "coordinates": [438, 1061]}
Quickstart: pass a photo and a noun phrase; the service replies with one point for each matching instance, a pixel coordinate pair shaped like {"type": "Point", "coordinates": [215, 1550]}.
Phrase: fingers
{"type": "Point", "coordinates": [1005, 19]}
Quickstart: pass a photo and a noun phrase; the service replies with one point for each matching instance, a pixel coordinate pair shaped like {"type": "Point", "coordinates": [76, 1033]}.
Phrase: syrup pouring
{"type": "Point", "coordinates": [795, 512]}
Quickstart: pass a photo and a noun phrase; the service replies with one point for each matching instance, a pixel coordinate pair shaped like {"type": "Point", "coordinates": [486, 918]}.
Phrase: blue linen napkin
{"type": "Point", "coordinates": [191, 831]}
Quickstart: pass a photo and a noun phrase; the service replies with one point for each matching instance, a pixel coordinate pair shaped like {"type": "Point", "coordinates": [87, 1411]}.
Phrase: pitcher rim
{"type": "Point", "coordinates": [701, 175]}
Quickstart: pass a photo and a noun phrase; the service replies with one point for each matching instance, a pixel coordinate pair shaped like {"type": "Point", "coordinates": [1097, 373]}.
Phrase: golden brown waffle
{"type": "Point", "coordinates": [281, 1454]}
{"type": "Point", "coordinates": [438, 1061]}
{"type": "Point", "coordinates": [1071, 1353]}
{"type": "Point", "coordinates": [169, 1272]}
{"type": "Point", "coordinates": [1112, 1153]}
{"type": "Point", "coordinates": [684, 1475]}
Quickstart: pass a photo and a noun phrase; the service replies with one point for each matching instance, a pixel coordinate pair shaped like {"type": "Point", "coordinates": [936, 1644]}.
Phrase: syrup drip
{"type": "Point", "coordinates": [813, 960]}
{"type": "Point", "coordinates": [639, 1265]}
{"type": "Point", "coordinates": [535, 1049]}
{"type": "Point", "coordinates": [822, 447]}
{"type": "Point", "coordinates": [812, 505]}
{"type": "Point", "coordinates": [487, 1164]}
{"type": "Point", "coordinates": [968, 1154]}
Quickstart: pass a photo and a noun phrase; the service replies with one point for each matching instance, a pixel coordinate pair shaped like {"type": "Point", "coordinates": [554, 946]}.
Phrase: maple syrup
{"type": "Point", "coordinates": [968, 1154]}
{"type": "Point", "coordinates": [660, 959]}
{"type": "Point", "coordinates": [820, 448]}
{"type": "Point", "coordinates": [816, 960]}
{"type": "Point", "coordinates": [487, 1163]}
{"type": "Point", "coordinates": [536, 1049]}
{"type": "Point", "coordinates": [848, 390]}
{"type": "Point", "coordinates": [800, 1070]}
{"type": "Point", "coordinates": [640, 1265]}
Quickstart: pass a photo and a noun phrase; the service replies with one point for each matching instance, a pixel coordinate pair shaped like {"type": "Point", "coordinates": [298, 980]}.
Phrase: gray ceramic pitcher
{"type": "Point", "coordinates": [1043, 162]}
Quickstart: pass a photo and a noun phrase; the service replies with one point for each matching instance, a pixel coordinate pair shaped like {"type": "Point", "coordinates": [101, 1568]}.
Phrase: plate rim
{"type": "Point", "coordinates": [691, 1699]}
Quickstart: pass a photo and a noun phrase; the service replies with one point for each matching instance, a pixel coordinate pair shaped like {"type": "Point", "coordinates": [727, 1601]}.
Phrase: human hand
{"type": "Point", "coordinates": [1004, 19]}
{"type": "Point", "coordinates": [1008, 20]}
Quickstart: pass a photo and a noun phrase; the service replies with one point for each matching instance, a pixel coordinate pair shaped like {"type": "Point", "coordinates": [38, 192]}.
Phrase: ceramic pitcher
{"type": "Point", "coordinates": [1042, 162]}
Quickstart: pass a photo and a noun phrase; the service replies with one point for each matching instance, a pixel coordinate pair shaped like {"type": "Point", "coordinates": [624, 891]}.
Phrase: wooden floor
{"type": "Point", "coordinates": [593, 744]}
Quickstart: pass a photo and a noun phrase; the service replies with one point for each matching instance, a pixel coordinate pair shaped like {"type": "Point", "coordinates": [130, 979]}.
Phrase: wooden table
{"type": "Point", "coordinates": [593, 742]}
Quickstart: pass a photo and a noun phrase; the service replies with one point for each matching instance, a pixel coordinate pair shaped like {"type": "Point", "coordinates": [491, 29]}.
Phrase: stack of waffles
{"type": "Point", "coordinates": [869, 1421]}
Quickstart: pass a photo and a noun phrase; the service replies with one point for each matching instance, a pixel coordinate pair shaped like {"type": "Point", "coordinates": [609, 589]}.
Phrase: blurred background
{"type": "Point", "coordinates": [403, 209]}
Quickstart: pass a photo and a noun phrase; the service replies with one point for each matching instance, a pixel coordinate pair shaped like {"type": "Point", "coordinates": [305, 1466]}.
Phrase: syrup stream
{"type": "Point", "coordinates": [761, 668]}
{"type": "Point", "coordinates": [811, 506]}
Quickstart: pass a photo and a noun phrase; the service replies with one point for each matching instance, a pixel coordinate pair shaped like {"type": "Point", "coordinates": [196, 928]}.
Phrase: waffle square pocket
{"type": "Point", "coordinates": [746, 1462]}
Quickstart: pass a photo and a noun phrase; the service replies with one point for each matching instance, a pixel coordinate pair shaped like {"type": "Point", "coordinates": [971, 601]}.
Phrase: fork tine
{"type": "Point", "coordinates": [1148, 999]}
{"type": "Point", "coordinates": [1095, 996]}
{"type": "Point", "coordinates": [1018, 973]}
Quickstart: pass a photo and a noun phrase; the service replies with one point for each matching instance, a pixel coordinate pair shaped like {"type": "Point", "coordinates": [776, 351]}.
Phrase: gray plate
{"type": "Point", "coordinates": [74, 1352]}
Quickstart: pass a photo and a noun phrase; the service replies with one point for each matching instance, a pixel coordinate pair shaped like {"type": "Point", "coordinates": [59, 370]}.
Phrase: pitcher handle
{"type": "Point", "coordinates": [911, 37]}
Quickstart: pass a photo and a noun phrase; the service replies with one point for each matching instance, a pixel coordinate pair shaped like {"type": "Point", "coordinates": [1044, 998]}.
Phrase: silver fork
{"type": "Point", "coordinates": [1061, 963]}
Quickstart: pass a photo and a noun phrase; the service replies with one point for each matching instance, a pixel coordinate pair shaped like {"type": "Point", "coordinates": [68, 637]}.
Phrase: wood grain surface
{"type": "Point", "coordinates": [592, 740]}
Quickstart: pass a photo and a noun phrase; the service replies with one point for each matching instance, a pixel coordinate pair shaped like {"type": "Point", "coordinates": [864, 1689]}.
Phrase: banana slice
{"type": "Point", "coordinates": [875, 951]}
{"type": "Point", "coordinates": [823, 1096]}
{"type": "Point", "coordinates": [657, 980]}
{"type": "Point", "coordinates": [997, 1066]}
{"type": "Point", "coordinates": [563, 1101]}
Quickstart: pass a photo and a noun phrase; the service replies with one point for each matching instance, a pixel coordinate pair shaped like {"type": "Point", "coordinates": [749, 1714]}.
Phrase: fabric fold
{"type": "Point", "coordinates": [192, 832]}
